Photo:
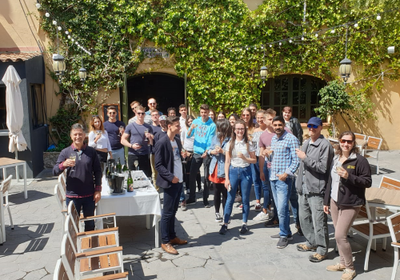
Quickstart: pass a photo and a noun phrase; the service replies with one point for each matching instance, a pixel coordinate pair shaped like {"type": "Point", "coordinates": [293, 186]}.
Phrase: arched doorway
{"type": "Point", "coordinates": [298, 91]}
{"type": "Point", "coordinates": [167, 89]}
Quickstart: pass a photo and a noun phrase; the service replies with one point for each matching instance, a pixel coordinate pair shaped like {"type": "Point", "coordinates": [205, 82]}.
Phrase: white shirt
{"type": "Point", "coordinates": [240, 146]}
{"type": "Point", "coordinates": [177, 161]}
{"type": "Point", "coordinates": [103, 141]}
{"type": "Point", "coordinates": [188, 143]}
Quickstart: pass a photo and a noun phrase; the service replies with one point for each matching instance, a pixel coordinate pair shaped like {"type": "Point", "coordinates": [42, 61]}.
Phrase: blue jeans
{"type": "Point", "coordinates": [242, 176]}
{"type": "Point", "coordinates": [255, 172]}
{"type": "Point", "coordinates": [120, 153]}
{"type": "Point", "coordinates": [170, 206]}
{"type": "Point", "coordinates": [294, 203]}
{"type": "Point", "coordinates": [87, 205]}
{"type": "Point", "coordinates": [281, 191]}
{"type": "Point", "coordinates": [266, 186]}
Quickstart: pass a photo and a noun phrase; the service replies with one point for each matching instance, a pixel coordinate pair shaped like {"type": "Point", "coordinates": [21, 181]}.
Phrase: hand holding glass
{"type": "Point", "coordinates": [145, 132]}
{"type": "Point", "coordinates": [72, 159]}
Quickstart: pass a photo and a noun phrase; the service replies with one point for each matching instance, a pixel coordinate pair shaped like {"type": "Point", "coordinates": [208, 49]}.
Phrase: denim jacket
{"type": "Point", "coordinates": [220, 158]}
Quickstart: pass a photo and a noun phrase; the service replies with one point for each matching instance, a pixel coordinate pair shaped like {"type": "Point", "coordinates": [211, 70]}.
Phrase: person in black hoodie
{"type": "Point", "coordinates": [344, 196]}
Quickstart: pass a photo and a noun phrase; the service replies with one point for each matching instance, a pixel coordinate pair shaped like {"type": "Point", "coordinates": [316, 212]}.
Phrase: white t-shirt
{"type": "Point", "coordinates": [240, 146]}
{"type": "Point", "coordinates": [177, 161]}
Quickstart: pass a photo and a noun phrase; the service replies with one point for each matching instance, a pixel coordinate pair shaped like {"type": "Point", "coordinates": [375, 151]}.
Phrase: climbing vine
{"type": "Point", "coordinates": [218, 44]}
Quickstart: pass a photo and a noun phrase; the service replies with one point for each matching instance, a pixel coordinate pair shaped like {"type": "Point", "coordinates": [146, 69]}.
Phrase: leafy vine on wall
{"type": "Point", "coordinates": [209, 40]}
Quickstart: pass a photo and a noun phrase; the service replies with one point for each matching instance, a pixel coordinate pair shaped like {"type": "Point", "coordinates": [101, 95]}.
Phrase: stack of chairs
{"type": "Point", "coordinates": [87, 254]}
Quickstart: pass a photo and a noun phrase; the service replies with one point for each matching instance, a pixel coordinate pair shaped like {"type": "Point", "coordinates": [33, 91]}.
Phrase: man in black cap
{"type": "Point", "coordinates": [316, 156]}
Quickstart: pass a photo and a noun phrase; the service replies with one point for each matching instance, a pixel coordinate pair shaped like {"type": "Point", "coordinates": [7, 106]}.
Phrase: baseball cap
{"type": "Point", "coordinates": [162, 118]}
{"type": "Point", "coordinates": [315, 121]}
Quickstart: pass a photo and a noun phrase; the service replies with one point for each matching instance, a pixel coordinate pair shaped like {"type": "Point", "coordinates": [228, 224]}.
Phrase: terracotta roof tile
{"type": "Point", "coordinates": [17, 56]}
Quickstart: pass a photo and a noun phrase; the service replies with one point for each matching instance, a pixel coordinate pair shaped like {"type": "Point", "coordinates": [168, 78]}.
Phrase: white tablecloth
{"type": "Point", "coordinates": [144, 201]}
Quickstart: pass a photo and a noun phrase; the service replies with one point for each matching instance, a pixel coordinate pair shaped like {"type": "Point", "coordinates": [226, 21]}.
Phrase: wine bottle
{"type": "Point", "coordinates": [125, 168]}
{"type": "Point", "coordinates": [129, 183]}
{"type": "Point", "coordinates": [119, 167]}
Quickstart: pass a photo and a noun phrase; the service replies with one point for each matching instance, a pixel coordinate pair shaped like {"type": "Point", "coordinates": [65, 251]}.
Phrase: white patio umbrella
{"type": "Point", "coordinates": [15, 112]}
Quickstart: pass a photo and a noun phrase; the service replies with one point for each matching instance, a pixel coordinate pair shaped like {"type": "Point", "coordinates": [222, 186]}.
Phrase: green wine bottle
{"type": "Point", "coordinates": [129, 183]}
{"type": "Point", "coordinates": [119, 167]}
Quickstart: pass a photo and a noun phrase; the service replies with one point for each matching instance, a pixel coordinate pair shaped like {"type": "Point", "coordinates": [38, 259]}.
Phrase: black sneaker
{"type": "Point", "coordinates": [282, 243]}
{"type": "Point", "coordinates": [290, 237]}
{"type": "Point", "coordinates": [272, 223]}
{"type": "Point", "coordinates": [244, 229]}
{"type": "Point", "coordinates": [223, 229]}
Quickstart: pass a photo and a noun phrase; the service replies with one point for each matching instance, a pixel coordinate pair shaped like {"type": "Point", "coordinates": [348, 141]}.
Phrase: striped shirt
{"type": "Point", "coordinates": [284, 158]}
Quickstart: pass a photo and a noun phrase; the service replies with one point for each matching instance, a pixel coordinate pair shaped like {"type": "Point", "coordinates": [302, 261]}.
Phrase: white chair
{"type": "Point", "coordinates": [59, 194]}
{"type": "Point", "coordinates": [98, 261]}
{"type": "Point", "coordinates": [78, 221]}
{"type": "Point", "coordinates": [91, 240]}
{"type": "Point", "coordinates": [4, 188]}
{"type": "Point", "coordinates": [62, 180]}
{"type": "Point", "coordinates": [394, 227]}
{"type": "Point", "coordinates": [372, 149]}
{"type": "Point", "coordinates": [371, 230]}
{"type": "Point", "coordinates": [361, 141]}
{"type": "Point", "coordinates": [60, 273]}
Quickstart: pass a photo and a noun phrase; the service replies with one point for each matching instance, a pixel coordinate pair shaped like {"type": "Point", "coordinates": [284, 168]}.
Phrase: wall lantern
{"type": "Point", "coordinates": [263, 72]}
{"type": "Point", "coordinates": [82, 74]}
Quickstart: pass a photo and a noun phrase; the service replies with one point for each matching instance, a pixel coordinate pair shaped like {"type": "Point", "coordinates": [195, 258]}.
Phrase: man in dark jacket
{"type": "Point", "coordinates": [83, 174]}
{"type": "Point", "coordinates": [316, 156]}
{"type": "Point", "coordinates": [168, 164]}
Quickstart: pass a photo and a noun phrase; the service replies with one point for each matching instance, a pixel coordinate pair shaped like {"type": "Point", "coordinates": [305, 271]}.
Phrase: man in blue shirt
{"type": "Point", "coordinates": [283, 166]}
{"type": "Point", "coordinates": [203, 129]}
{"type": "Point", "coordinates": [115, 129]}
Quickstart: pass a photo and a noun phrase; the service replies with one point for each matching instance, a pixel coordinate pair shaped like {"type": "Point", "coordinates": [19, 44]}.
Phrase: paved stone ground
{"type": "Point", "coordinates": [32, 248]}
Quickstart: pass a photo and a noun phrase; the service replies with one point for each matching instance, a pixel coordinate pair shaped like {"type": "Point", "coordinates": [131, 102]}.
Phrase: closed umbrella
{"type": "Point", "coordinates": [15, 112]}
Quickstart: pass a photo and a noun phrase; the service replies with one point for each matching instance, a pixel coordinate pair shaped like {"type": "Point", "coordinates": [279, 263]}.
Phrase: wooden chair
{"type": "Point", "coordinates": [372, 149]}
{"type": "Point", "coordinates": [59, 194]}
{"type": "Point", "coordinates": [371, 230]}
{"type": "Point", "coordinates": [394, 227]}
{"type": "Point", "coordinates": [91, 240]}
{"type": "Point", "coordinates": [60, 273]}
{"type": "Point", "coordinates": [62, 181]}
{"type": "Point", "coordinates": [391, 184]}
{"type": "Point", "coordinates": [78, 221]}
{"type": "Point", "coordinates": [79, 265]}
{"type": "Point", "coordinates": [361, 141]}
{"type": "Point", "coordinates": [4, 204]}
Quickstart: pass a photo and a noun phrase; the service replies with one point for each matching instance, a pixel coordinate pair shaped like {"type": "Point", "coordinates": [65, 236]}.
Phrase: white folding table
{"type": "Point", "coordinates": [9, 162]}
{"type": "Point", "coordinates": [143, 201]}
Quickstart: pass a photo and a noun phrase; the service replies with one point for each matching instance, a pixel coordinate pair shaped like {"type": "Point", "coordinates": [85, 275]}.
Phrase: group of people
{"type": "Point", "coordinates": [257, 148]}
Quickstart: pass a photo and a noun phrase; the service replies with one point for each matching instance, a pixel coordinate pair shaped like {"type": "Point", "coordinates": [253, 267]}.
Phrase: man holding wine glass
{"type": "Point", "coordinates": [83, 174]}
{"type": "Point", "coordinates": [138, 137]}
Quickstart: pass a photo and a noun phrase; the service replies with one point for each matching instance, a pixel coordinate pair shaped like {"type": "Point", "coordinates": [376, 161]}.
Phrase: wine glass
{"type": "Point", "coordinates": [136, 164]}
{"type": "Point", "coordinates": [184, 159]}
{"type": "Point", "coordinates": [73, 158]}
{"type": "Point", "coordinates": [146, 131]}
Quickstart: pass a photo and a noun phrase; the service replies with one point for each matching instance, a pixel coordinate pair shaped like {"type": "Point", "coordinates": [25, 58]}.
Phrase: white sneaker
{"type": "Point", "coordinates": [262, 217]}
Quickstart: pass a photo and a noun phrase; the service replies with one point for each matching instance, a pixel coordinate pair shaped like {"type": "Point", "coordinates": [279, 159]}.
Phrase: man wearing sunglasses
{"type": "Point", "coordinates": [147, 118]}
{"type": "Point", "coordinates": [115, 129]}
{"type": "Point", "coordinates": [152, 103]}
{"type": "Point", "coordinates": [316, 156]}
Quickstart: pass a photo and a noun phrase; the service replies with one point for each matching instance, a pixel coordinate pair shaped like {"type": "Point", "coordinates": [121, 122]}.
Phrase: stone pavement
{"type": "Point", "coordinates": [32, 248]}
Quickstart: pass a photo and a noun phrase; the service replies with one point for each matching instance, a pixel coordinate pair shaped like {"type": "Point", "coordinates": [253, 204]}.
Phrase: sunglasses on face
{"type": "Point", "coordinates": [346, 141]}
{"type": "Point", "coordinates": [140, 113]}
{"type": "Point", "coordinates": [112, 113]}
{"type": "Point", "coordinates": [312, 126]}
{"type": "Point", "coordinates": [152, 103]}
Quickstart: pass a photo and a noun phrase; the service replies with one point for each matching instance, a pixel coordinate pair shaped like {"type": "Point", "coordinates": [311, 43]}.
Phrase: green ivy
{"type": "Point", "coordinates": [204, 37]}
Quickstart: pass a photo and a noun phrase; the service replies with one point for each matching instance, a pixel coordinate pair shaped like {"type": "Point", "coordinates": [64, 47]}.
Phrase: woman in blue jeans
{"type": "Point", "coordinates": [239, 154]}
